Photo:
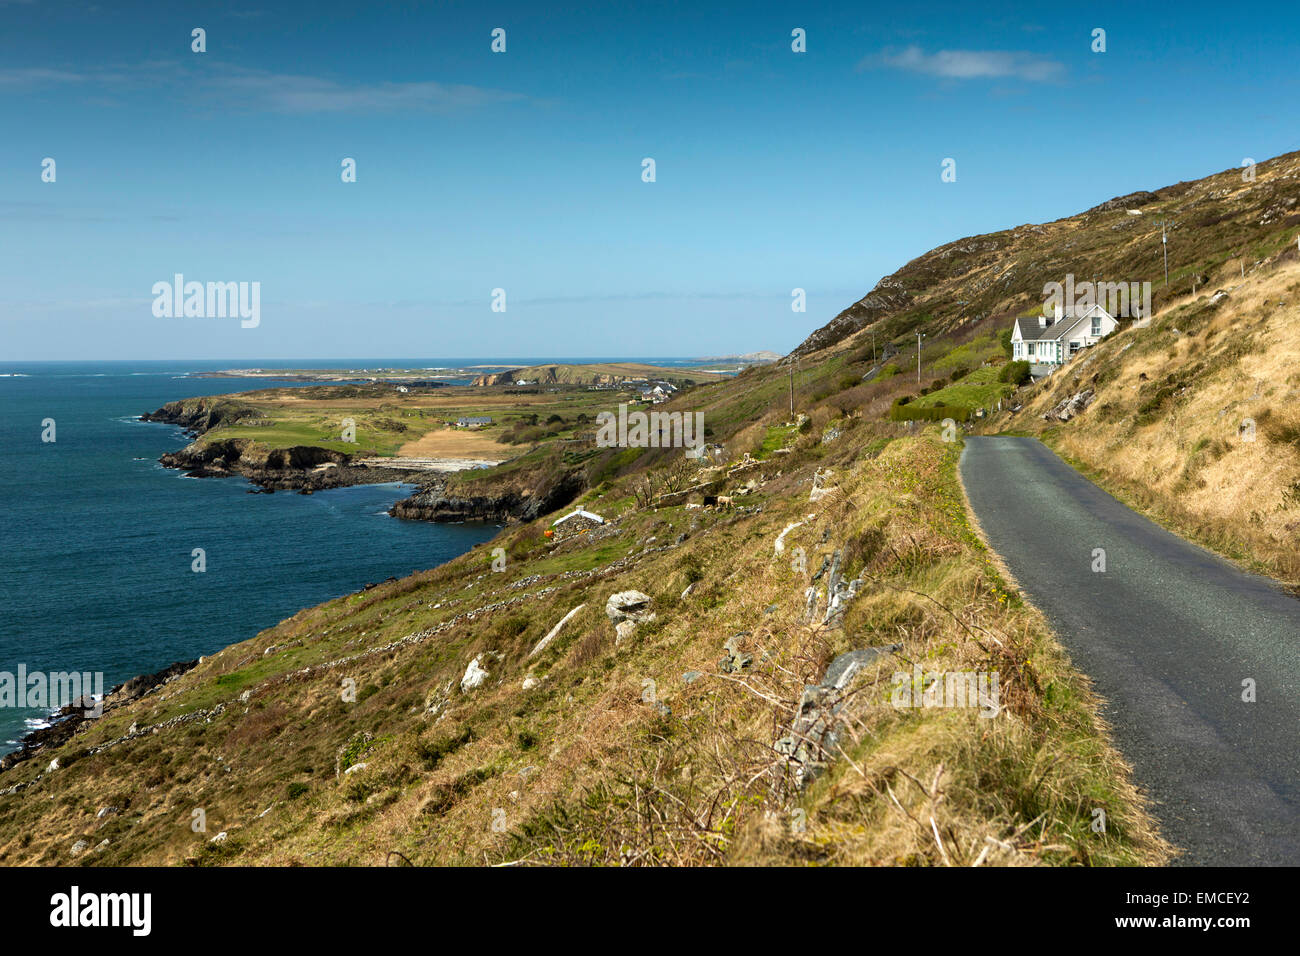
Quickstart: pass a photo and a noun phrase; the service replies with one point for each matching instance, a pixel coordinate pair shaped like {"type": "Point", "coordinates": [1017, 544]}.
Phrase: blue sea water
{"type": "Point", "coordinates": [95, 554]}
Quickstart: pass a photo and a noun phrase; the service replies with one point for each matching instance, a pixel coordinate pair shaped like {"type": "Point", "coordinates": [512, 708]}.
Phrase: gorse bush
{"type": "Point", "coordinates": [1016, 373]}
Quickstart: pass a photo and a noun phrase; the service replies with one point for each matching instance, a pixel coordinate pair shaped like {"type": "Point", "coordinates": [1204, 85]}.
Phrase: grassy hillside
{"type": "Point", "coordinates": [664, 747]}
{"type": "Point", "coordinates": [1223, 225]}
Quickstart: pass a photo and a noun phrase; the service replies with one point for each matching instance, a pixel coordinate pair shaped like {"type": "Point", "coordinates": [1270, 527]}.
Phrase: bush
{"type": "Point", "coordinates": [431, 753]}
{"type": "Point", "coordinates": [1017, 372]}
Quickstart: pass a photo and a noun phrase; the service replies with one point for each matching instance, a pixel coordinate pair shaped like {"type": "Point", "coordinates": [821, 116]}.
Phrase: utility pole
{"type": "Point", "coordinates": [792, 361]}
{"type": "Point", "coordinates": [873, 348]}
{"type": "Point", "coordinates": [919, 336]}
{"type": "Point", "coordinates": [1164, 241]}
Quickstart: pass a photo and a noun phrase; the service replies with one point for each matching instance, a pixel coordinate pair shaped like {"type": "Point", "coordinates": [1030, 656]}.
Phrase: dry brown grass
{"type": "Point", "coordinates": [456, 443]}
{"type": "Point", "coordinates": [1189, 462]}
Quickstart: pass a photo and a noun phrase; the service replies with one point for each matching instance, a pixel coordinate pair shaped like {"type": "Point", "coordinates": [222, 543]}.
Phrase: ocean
{"type": "Point", "coordinates": [96, 552]}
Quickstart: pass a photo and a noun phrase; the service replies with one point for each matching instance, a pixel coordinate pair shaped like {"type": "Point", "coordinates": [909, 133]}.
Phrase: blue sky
{"type": "Point", "coordinates": [523, 170]}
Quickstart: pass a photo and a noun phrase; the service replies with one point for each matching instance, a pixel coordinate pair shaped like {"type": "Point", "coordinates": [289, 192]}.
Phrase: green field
{"type": "Point", "coordinates": [979, 389]}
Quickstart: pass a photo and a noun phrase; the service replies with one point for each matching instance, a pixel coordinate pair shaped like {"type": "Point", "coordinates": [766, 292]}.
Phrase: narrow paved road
{"type": "Point", "coordinates": [1167, 632]}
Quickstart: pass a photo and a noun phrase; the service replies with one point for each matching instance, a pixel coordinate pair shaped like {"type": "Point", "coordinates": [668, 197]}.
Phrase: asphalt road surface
{"type": "Point", "coordinates": [1168, 632]}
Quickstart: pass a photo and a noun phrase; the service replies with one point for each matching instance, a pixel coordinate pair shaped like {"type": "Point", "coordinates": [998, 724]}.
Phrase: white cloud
{"type": "Point", "coordinates": [970, 64]}
{"type": "Point", "coordinates": [286, 93]}
{"type": "Point", "coordinates": [253, 89]}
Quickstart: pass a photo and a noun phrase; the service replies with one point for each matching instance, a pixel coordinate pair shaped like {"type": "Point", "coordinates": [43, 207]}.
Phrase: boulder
{"type": "Point", "coordinates": [735, 659]}
{"type": "Point", "coordinates": [1065, 410]}
{"type": "Point", "coordinates": [623, 630]}
{"type": "Point", "coordinates": [474, 676]}
{"type": "Point", "coordinates": [629, 606]}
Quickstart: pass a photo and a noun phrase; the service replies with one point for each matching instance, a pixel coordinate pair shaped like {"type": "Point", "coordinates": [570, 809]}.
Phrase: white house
{"type": "Point", "coordinates": [1053, 342]}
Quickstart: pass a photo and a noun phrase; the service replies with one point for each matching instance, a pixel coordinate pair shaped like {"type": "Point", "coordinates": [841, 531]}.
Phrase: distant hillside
{"type": "Point", "coordinates": [1215, 219]}
{"type": "Point", "coordinates": [606, 373]}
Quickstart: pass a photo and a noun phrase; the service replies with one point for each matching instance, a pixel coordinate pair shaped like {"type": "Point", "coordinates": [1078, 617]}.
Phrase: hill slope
{"type": "Point", "coordinates": [1221, 222]}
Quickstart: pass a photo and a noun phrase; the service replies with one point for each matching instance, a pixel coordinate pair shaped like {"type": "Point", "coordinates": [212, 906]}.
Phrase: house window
{"type": "Point", "coordinates": [1096, 325]}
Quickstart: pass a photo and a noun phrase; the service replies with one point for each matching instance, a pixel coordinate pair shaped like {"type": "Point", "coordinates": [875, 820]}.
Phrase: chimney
{"type": "Point", "coordinates": [1042, 320]}
{"type": "Point", "coordinates": [1058, 314]}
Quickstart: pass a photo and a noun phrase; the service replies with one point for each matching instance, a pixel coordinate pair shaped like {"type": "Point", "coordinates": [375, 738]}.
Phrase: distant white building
{"type": "Point", "coordinates": [1053, 342]}
{"type": "Point", "coordinates": [577, 521]}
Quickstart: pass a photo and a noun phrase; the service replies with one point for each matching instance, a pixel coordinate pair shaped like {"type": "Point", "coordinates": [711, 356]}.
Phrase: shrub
{"type": "Point", "coordinates": [1005, 340]}
{"type": "Point", "coordinates": [431, 754]}
{"type": "Point", "coordinates": [1017, 372]}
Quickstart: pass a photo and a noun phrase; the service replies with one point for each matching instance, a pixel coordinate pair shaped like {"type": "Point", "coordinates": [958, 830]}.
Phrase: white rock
{"type": "Point", "coordinates": [624, 630]}
{"type": "Point", "coordinates": [81, 846]}
{"type": "Point", "coordinates": [54, 765]}
{"type": "Point", "coordinates": [541, 645]}
{"type": "Point", "coordinates": [475, 675]}
{"type": "Point", "coordinates": [530, 682]}
{"type": "Point", "coordinates": [219, 838]}
{"type": "Point", "coordinates": [779, 546]}
{"type": "Point", "coordinates": [354, 768]}
{"type": "Point", "coordinates": [629, 605]}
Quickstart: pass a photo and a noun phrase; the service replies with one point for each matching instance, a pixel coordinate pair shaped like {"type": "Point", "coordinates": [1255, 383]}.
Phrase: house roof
{"type": "Point", "coordinates": [1071, 317]}
{"type": "Point", "coordinates": [583, 514]}
{"type": "Point", "coordinates": [1029, 328]}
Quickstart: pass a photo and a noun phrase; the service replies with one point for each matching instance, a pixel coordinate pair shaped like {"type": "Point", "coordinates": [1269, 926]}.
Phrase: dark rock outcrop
{"type": "Point", "coordinates": [304, 468]}
{"type": "Point", "coordinates": [435, 502]}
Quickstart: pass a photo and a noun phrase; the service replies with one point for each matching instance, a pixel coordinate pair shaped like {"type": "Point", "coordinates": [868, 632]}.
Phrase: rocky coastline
{"type": "Point", "coordinates": [302, 468]}
{"type": "Point", "coordinates": [65, 724]}
{"type": "Point", "coordinates": [307, 469]}
{"type": "Point", "coordinates": [435, 502]}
